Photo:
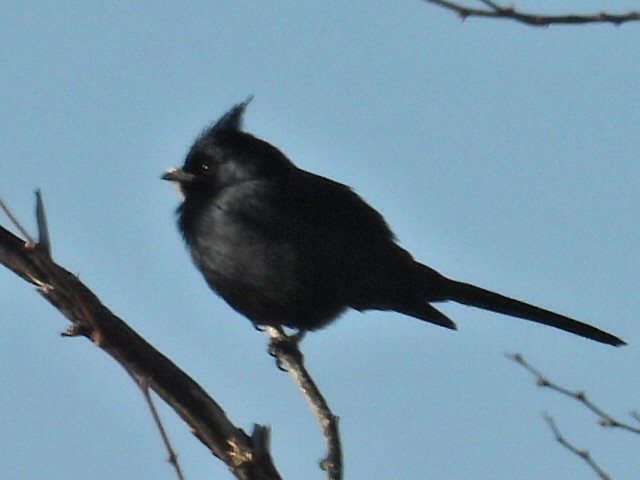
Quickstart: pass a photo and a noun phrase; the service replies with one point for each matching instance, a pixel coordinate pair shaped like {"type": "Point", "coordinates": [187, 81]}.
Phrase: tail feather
{"type": "Point", "coordinates": [468, 294]}
{"type": "Point", "coordinates": [429, 313]}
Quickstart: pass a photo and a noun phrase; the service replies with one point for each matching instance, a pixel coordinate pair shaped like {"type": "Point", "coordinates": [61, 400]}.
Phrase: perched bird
{"type": "Point", "coordinates": [286, 247]}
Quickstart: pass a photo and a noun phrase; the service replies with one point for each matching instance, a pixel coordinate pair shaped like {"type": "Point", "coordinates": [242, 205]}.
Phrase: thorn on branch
{"type": "Point", "coordinates": [77, 330]}
{"type": "Point", "coordinates": [463, 14]}
{"type": "Point", "coordinates": [43, 230]}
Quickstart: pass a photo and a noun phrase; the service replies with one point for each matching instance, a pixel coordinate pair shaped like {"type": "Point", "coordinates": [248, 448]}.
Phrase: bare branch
{"type": "Point", "coordinates": [604, 418]}
{"type": "Point", "coordinates": [285, 348]}
{"type": "Point", "coordinates": [246, 456]}
{"type": "Point", "coordinates": [493, 10]}
{"type": "Point", "coordinates": [583, 454]}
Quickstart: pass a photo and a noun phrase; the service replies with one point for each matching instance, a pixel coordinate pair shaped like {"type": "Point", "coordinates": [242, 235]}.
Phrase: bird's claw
{"type": "Point", "coordinates": [282, 345]}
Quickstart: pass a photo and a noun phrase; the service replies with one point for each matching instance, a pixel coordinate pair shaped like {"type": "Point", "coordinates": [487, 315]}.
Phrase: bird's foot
{"type": "Point", "coordinates": [282, 344]}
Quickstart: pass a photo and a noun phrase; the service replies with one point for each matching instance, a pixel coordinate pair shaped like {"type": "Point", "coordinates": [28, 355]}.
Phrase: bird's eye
{"type": "Point", "coordinates": [205, 168]}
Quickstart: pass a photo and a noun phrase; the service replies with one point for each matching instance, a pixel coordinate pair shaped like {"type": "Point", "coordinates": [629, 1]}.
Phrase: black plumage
{"type": "Point", "coordinates": [284, 246]}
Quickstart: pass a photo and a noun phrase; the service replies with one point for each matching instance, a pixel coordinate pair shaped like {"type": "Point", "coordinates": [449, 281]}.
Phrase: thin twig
{"type": "Point", "coordinates": [289, 357]}
{"type": "Point", "coordinates": [494, 10]}
{"type": "Point", "coordinates": [172, 457]}
{"type": "Point", "coordinates": [583, 454]}
{"type": "Point", "coordinates": [16, 223]}
{"type": "Point", "coordinates": [604, 418]}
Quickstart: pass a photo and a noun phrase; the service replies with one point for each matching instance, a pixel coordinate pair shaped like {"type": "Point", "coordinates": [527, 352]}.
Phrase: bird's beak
{"type": "Point", "coordinates": [175, 174]}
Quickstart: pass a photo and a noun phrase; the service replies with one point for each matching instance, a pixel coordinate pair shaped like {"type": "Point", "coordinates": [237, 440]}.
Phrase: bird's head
{"type": "Point", "coordinates": [224, 155]}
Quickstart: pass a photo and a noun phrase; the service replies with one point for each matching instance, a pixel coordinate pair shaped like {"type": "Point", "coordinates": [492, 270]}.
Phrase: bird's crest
{"type": "Point", "coordinates": [231, 120]}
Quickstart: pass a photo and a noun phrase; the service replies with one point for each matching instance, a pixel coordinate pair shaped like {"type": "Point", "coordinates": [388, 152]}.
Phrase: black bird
{"type": "Point", "coordinates": [286, 247]}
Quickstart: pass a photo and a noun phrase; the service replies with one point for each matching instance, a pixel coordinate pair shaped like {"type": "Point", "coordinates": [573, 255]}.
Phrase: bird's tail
{"type": "Point", "coordinates": [468, 294]}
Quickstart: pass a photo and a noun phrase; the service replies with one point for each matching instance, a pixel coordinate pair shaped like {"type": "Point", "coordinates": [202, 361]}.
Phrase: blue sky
{"type": "Point", "coordinates": [500, 154]}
